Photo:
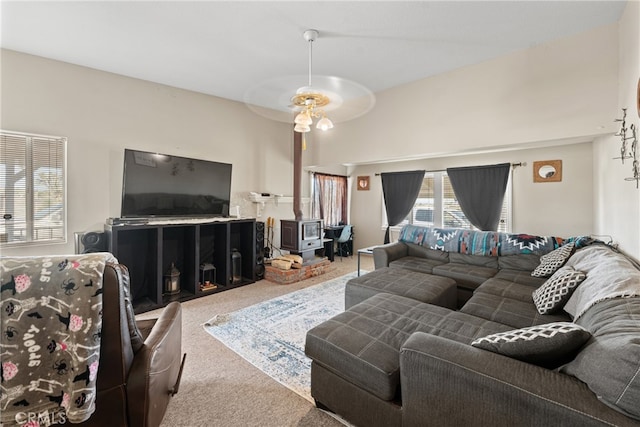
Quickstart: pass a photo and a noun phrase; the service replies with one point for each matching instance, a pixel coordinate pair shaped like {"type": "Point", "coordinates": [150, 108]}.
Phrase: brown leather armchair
{"type": "Point", "coordinates": [140, 362]}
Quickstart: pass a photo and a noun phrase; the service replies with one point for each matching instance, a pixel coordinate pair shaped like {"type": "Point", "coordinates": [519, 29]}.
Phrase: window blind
{"type": "Point", "coordinates": [32, 186]}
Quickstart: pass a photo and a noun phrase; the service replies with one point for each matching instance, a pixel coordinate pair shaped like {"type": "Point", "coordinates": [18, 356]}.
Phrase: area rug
{"type": "Point", "coordinates": [271, 335]}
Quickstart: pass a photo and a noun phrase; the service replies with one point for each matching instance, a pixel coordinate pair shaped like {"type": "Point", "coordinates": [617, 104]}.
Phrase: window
{"type": "Point", "coordinates": [437, 206]}
{"type": "Point", "coordinates": [32, 189]}
{"type": "Point", "coordinates": [329, 198]}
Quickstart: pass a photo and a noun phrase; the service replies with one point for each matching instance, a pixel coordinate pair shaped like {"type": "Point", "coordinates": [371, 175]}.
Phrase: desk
{"type": "Point", "coordinates": [333, 232]}
{"type": "Point", "coordinates": [366, 251]}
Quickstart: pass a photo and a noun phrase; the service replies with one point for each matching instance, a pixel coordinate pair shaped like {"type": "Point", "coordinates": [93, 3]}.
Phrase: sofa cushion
{"type": "Point", "coordinates": [465, 328]}
{"type": "Point", "coordinates": [523, 262]}
{"type": "Point", "coordinates": [466, 275]}
{"type": "Point", "coordinates": [555, 292]}
{"type": "Point", "coordinates": [520, 276]}
{"type": "Point", "coordinates": [479, 260]}
{"type": "Point", "coordinates": [419, 264]}
{"type": "Point", "coordinates": [363, 343]}
{"type": "Point", "coordinates": [549, 345]}
{"type": "Point", "coordinates": [552, 261]}
{"type": "Point", "coordinates": [610, 363]}
{"type": "Point", "coordinates": [610, 274]}
{"type": "Point", "coordinates": [424, 252]}
{"type": "Point", "coordinates": [418, 286]}
{"type": "Point", "coordinates": [507, 289]}
{"type": "Point", "coordinates": [517, 314]}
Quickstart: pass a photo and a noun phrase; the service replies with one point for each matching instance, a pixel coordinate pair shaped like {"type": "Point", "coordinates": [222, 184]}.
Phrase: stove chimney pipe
{"type": "Point", "coordinates": [297, 175]}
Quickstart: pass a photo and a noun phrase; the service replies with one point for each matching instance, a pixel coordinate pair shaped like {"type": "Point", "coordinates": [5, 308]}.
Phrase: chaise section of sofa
{"type": "Point", "coordinates": [358, 352]}
{"type": "Point", "coordinates": [421, 287]}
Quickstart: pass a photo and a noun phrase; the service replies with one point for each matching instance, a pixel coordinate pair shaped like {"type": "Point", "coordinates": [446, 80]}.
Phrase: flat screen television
{"type": "Point", "coordinates": [161, 185]}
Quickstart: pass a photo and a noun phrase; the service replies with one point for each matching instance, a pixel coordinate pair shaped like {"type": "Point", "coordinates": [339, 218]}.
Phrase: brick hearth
{"type": "Point", "coordinates": [286, 277]}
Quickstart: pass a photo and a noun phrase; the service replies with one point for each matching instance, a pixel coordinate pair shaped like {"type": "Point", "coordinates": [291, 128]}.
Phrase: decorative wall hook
{"type": "Point", "coordinates": [622, 133]}
{"type": "Point", "coordinates": [634, 155]}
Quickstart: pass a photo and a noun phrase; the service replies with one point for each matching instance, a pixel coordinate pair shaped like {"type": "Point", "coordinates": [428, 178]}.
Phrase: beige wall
{"type": "Point", "coordinates": [616, 201]}
{"type": "Point", "coordinates": [563, 89]}
{"type": "Point", "coordinates": [549, 209]}
{"type": "Point", "coordinates": [102, 113]}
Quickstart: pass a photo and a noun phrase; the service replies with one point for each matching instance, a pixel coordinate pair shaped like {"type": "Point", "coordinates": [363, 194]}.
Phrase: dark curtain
{"type": "Point", "coordinates": [329, 198]}
{"type": "Point", "coordinates": [480, 193]}
{"type": "Point", "coordinates": [400, 191]}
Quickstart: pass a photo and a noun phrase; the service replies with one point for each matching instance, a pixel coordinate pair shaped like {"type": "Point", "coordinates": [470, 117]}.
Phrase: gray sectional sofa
{"type": "Point", "coordinates": [446, 331]}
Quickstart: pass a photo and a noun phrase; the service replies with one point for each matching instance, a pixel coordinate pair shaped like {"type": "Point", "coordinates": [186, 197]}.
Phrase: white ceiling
{"type": "Point", "coordinates": [224, 48]}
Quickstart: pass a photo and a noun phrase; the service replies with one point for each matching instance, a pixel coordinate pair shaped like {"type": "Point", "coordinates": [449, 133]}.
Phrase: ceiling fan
{"type": "Point", "coordinates": [329, 99]}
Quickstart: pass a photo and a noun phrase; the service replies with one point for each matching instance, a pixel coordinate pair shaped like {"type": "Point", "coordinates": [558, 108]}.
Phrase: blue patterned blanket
{"type": "Point", "coordinates": [50, 343]}
{"type": "Point", "coordinates": [485, 243]}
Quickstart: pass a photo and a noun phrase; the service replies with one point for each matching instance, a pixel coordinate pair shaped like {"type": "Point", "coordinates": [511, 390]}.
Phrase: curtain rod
{"type": "Point", "coordinates": [513, 165]}
{"type": "Point", "coordinates": [328, 174]}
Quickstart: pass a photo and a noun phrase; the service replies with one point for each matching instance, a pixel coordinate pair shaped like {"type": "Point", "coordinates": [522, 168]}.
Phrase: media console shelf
{"type": "Point", "coordinates": [149, 250]}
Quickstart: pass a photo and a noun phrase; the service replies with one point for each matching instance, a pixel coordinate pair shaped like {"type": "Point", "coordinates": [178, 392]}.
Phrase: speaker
{"type": "Point", "coordinates": [92, 241]}
{"type": "Point", "coordinates": [259, 247]}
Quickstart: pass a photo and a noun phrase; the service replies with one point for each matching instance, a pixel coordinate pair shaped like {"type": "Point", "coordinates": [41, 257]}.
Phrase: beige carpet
{"type": "Point", "coordinates": [220, 388]}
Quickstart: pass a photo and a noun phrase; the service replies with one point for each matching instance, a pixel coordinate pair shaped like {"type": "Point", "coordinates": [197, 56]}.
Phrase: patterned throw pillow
{"type": "Point", "coordinates": [556, 291]}
{"type": "Point", "coordinates": [549, 345]}
{"type": "Point", "coordinates": [552, 261]}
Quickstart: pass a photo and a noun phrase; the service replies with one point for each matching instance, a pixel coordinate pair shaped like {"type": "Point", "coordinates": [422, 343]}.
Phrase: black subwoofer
{"type": "Point", "coordinates": [259, 248]}
{"type": "Point", "coordinates": [89, 242]}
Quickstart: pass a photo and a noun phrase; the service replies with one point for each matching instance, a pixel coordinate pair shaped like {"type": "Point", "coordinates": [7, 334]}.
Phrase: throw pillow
{"type": "Point", "coordinates": [549, 345]}
{"type": "Point", "coordinates": [552, 261]}
{"type": "Point", "coordinates": [556, 291]}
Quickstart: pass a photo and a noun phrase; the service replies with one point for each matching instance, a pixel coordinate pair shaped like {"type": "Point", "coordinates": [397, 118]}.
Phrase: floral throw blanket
{"type": "Point", "coordinates": [50, 338]}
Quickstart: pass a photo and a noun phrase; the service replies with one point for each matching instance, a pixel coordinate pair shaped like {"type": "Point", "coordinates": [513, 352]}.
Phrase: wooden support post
{"type": "Point", "coordinates": [297, 175]}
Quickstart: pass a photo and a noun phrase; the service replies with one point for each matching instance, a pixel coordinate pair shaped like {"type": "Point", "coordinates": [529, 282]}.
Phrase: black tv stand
{"type": "Point", "coordinates": [171, 220]}
{"type": "Point", "coordinates": [148, 250]}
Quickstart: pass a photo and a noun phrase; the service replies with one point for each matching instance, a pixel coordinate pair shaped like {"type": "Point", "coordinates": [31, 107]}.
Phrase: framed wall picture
{"type": "Point", "coordinates": [547, 171]}
{"type": "Point", "coordinates": [363, 183]}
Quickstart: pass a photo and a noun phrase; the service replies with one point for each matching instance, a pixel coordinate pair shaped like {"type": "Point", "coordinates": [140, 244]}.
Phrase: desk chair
{"type": "Point", "coordinates": [343, 241]}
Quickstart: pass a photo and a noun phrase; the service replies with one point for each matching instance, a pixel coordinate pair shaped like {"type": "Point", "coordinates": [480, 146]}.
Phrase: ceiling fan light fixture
{"type": "Point", "coordinates": [324, 124]}
{"type": "Point", "coordinates": [303, 118]}
{"type": "Point", "coordinates": [301, 128]}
